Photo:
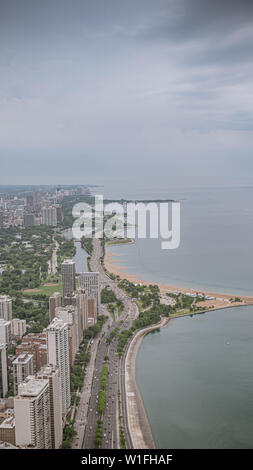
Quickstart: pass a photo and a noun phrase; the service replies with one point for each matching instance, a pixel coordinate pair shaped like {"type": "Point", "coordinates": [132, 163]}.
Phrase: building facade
{"type": "Point", "coordinates": [68, 278]}
{"type": "Point", "coordinates": [3, 370]}
{"type": "Point", "coordinates": [32, 414]}
{"type": "Point", "coordinates": [23, 366]}
{"type": "Point", "coordinates": [49, 216]}
{"type": "Point", "coordinates": [58, 355]}
{"type": "Point", "coordinates": [90, 283]}
{"type": "Point", "coordinates": [54, 301]}
{"type": "Point", "coordinates": [35, 344]}
{"type": "Point", "coordinates": [5, 307]}
{"type": "Point", "coordinates": [5, 331]}
{"type": "Point", "coordinates": [18, 328]}
{"type": "Point", "coordinates": [52, 374]}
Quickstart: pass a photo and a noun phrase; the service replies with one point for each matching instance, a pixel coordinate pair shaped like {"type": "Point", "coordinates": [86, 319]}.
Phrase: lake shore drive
{"type": "Point", "coordinates": [138, 423]}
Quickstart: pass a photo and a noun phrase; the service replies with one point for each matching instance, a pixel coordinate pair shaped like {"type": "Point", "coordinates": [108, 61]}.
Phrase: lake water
{"type": "Point", "coordinates": [196, 375]}
{"type": "Point", "coordinates": [196, 380]}
{"type": "Point", "coordinates": [81, 255]}
{"type": "Point", "coordinates": [216, 251]}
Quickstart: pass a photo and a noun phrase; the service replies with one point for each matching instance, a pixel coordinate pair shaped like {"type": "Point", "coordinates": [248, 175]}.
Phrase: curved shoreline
{"type": "Point", "coordinates": [138, 423]}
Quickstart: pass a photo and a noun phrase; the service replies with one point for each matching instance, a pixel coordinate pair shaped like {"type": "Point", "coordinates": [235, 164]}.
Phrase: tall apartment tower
{"type": "Point", "coordinates": [5, 307]}
{"type": "Point", "coordinates": [92, 309]}
{"type": "Point", "coordinates": [18, 327]}
{"type": "Point", "coordinates": [28, 220]}
{"type": "Point", "coordinates": [82, 310]}
{"type": "Point", "coordinates": [52, 374]}
{"type": "Point", "coordinates": [68, 271]}
{"type": "Point", "coordinates": [32, 414]}
{"type": "Point", "coordinates": [23, 366]}
{"type": "Point", "coordinates": [5, 331]}
{"type": "Point", "coordinates": [3, 370]}
{"type": "Point", "coordinates": [49, 216]}
{"type": "Point", "coordinates": [54, 301]}
{"type": "Point", "coordinates": [58, 355]}
{"type": "Point", "coordinates": [68, 314]}
{"type": "Point", "coordinates": [1, 219]}
{"type": "Point", "coordinates": [90, 283]}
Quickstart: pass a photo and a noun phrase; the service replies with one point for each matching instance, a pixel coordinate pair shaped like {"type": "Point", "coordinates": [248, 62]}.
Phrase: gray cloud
{"type": "Point", "coordinates": [105, 86]}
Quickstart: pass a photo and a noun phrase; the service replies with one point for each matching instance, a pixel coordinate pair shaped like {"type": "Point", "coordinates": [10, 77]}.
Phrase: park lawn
{"type": "Point", "coordinates": [47, 290]}
{"type": "Point", "coordinates": [119, 241]}
{"type": "Point", "coordinates": [139, 305]}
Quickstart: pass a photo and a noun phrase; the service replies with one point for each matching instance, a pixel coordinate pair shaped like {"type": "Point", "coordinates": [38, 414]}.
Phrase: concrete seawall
{"type": "Point", "coordinates": [138, 424]}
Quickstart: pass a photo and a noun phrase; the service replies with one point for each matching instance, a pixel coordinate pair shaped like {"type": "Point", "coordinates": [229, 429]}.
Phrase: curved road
{"type": "Point", "coordinates": [87, 414]}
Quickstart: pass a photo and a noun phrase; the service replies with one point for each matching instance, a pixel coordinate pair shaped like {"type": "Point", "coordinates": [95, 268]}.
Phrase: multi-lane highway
{"type": "Point", "coordinates": [87, 415]}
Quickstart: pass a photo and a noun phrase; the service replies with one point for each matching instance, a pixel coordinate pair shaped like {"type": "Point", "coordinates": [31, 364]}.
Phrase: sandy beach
{"type": "Point", "coordinates": [138, 423]}
{"type": "Point", "coordinates": [220, 300]}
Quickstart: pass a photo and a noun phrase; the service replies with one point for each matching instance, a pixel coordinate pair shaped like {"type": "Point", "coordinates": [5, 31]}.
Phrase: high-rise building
{"type": "Point", "coordinates": [59, 213]}
{"type": "Point", "coordinates": [82, 310]}
{"type": "Point", "coordinates": [54, 301]}
{"type": "Point", "coordinates": [23, 366]}
{"type": "Point", "coordinates": [5, 331]}
{"type": "Point", "coordinates": [58, 355]}
{"type": "Point", "coordinates": [29, 201]}
{"type": "Point", "coordinates": [32, 414]}
{"type": "Point", "coordinates": [92, 308]}
{"type": "Point", "coordinates": [3, 370]}
{"type": "Point", "coordinates": [69, 315]}
{"type": "Point", "coordinates": [5, 307]}
{"type": "Point", "coordinates": [68, 271]}
{"type": "Point", "coordinates": [7, 427]}
{"type": "Point", "coordinates": [18, 327]}
{"type": "Point", "coordinates": [89, 281]}
{"type": "Point", "coordinates": [79, 299]}
{"type": "Point", "coordinates": [35, 344]}
{"type": "Point", "coordinates": [52, 374]}
{"type": "Point", "coordinates": [49, 216]}
{"type": "Point", "coordinates": [29, 220]}
{"type": "Point", "coordinates": [36, 199]}
{"type": "Point", "coordinates": [1, 219]}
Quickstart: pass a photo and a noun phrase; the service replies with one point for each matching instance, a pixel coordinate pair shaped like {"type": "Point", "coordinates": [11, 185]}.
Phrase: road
{"type": "Point", "coordinates": [87, 415]}
{"type": "Point", "coordinates": [82, 410]}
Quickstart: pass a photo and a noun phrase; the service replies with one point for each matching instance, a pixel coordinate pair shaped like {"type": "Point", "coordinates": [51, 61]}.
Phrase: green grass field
{"type": "Point", "coordinates": [47, 290]}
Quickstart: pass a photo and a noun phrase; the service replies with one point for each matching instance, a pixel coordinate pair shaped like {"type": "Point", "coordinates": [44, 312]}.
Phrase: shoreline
{"type": "Point", "coordinates": [138, 422]}
{"type": "Point", "coordinates": [219, 300]}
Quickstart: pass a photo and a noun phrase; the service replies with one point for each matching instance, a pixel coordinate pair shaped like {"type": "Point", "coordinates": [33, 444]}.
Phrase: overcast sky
{"type": "Point", "coordinates": [97, 89]}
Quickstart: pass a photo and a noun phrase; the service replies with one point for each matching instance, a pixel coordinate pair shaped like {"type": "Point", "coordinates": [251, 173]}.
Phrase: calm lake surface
{"type": "Point", "coordinates": [81, 255]}
{"type": "Point", "coordinates": [196, 380]}
{"type": "Point", "coordinates": [196, 375]}
{"type": "Point", "coordinates": [216, 250]}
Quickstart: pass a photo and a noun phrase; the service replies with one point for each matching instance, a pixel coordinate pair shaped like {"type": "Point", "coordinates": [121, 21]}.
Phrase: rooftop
{"type": "Point", "coordinates": [31, 387]}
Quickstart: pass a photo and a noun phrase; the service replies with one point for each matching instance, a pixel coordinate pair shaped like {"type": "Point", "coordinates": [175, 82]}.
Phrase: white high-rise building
{"type": "Point", "coordinates": [90, 283]}
{"type": "Point", "coordinates": [52, 374]}
{"type": "Point", "coordinates": [68, 271]}
{"type": "Point", "coordinates": [49, 216]}
{"type": "Point", "coordinates": [23, 366]}
{"type": "Point", "coordinates": [5, 331]}
{"type": "Point", "coordinates": [82, 311]}
{"type": "Point", "coordinates": [58, 355]}
{"type": "Point", "coordinates": [32, 414]}
{"type": "Point", "coordinates": [69, 315]}
{"type": "Point", "coordinates": [18, 327]}
{"type": "Point", "coordinates": [5, 307]}
{"type": "Point", "coordinates": [3, 370]}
